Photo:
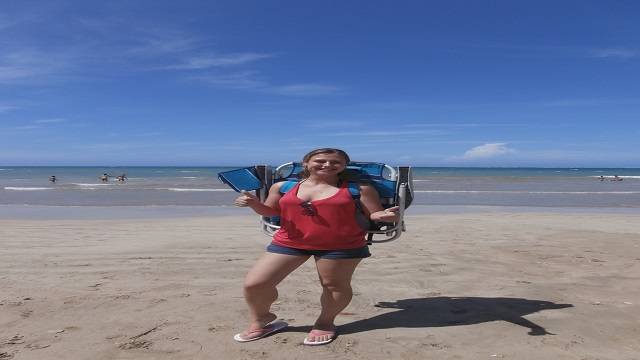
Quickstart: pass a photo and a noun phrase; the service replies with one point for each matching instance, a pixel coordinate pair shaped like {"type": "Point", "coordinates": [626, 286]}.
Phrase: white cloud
{"type": "Point", "coordinates": [5, 108]}
{"type": "Point", "coordinates": [616, 53]}
{"type": "Point", "coordinates": [205, 62]}
{"type": "Point", "coordinates": [252, 80]}
{"type": "Point", "coordinates": [306, 90]}
{"type": "Point", "coordinates": [48, 121]}
{"type": "Point", "coordinates": [338, 124]}
{"type": "Point", "coordinates": [26, 127]}
{"type": "Point", "coordinates": [487, 151]}
{"type": "Point", "coordinates": [27, 64]}
{"type": "Point", "coordinates": [237, 80]}
{"type": "Point", "coordinates": [387, 133]}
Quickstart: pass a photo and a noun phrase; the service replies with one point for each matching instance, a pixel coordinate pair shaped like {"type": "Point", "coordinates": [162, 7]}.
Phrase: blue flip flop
{"type": "Point", "coordinates": [265, 331]}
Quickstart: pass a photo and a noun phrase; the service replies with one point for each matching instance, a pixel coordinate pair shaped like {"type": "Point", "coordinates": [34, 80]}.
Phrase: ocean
{"type": "Point", "coordinates": [196, 190]}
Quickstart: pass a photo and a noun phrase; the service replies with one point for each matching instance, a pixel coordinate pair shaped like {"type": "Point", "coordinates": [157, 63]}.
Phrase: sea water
{"type": "Point", "coordinates": [196, 190]}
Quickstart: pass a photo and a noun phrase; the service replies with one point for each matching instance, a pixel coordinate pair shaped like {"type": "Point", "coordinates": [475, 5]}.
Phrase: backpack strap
{"type": "Point", "coordinates": [354, 190]}
{"type": "Point", "coordinates": [288, 185]}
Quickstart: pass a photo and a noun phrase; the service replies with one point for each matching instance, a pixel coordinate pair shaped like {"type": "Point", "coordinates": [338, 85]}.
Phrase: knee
{"type": "Point", "coordinates": [335, 286]}
{"type": "Point", "coordinates": [252, 285]}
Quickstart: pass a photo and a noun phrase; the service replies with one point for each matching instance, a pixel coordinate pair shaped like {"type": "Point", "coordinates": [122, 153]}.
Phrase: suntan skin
{"type": "Point", "coordinates": [334, 274]}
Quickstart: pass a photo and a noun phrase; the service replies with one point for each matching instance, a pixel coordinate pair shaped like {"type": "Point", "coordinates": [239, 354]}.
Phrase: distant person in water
{"type": "Point", "coordinates": [53, 179]}
{"type": "Point", "coordinates": [121, 177]}
{"type": "Point", "coordinates": [617, 178]}
{"type": "Point", "coordinates": [601, 178]}
{"type": "Point", "coordinates": [104, 177]}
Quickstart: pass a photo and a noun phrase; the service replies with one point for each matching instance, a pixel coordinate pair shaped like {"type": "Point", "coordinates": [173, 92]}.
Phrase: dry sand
{"type": "Point", "coordinates": [454, 286]}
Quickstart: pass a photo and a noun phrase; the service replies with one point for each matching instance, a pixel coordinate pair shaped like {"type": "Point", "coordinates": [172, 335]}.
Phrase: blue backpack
{"type": "Point", "coordinates": [392, 184]}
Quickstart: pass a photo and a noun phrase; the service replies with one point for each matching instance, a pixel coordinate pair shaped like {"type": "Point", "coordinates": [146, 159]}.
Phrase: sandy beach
{"type": "Point", "coordinates": [508, 285]}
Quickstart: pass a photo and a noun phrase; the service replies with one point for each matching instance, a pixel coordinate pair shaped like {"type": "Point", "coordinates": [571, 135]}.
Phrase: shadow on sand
{"type": "Point", "coordinates": [454, 311]}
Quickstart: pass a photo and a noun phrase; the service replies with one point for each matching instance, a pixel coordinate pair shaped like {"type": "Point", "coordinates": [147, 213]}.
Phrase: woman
{"type": "Point", "coordinates": [317, 219]}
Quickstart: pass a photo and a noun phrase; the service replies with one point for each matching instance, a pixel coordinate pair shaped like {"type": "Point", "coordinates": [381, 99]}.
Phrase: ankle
{"type": "Point", "coordinates": [262, 321]}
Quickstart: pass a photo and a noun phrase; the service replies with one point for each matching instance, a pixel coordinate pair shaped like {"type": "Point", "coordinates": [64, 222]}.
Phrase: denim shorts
{"type": "Point", "coordinates": [357, 253]}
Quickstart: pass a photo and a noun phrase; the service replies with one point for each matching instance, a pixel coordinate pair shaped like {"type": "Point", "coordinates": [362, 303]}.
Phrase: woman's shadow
{"type": "Point", "coordinates": [454, 311]}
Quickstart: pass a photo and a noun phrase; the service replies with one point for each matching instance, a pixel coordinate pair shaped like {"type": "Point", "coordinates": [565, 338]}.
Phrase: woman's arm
{"type": "Point", "coordinates": [270, 206]}
{"type": "Point", "coordinates": [370, 201]}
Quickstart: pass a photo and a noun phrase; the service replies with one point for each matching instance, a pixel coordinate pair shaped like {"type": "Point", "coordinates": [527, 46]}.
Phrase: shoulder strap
{"type": "Point", "coordinates": [286, 186]}
{"type": "Point", "coordinates": [354, 189]}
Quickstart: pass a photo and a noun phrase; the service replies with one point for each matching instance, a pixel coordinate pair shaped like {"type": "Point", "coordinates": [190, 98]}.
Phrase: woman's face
{"type": "Point", "coordinates": [326, 164]}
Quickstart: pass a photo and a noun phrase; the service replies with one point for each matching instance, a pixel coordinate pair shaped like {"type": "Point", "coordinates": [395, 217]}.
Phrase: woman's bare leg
{"type": "Point", "coordinates": [260, 287]}
{"type": "Point", "coordinates": [335, 278]}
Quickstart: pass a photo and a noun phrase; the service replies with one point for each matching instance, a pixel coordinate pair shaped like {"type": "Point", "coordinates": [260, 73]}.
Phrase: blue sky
{"type": "Point", "coordinates": [236, 82]}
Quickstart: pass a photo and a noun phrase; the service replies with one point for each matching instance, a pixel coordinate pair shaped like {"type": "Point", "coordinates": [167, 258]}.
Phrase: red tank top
{"type": "Point", "coordinates": [332, 227]}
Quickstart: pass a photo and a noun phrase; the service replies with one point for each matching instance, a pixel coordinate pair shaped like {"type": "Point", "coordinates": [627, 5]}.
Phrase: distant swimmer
{"type": "Point", "coordinates": [601, 178]}
{"type": "Point", "coordinates": [53, 179]}
{"type": "Point", "coordinates": [617, 178]}
{"type": "Point", "coordinates": [104, 177]}
{"type": "Point", "coordinates": [121, 177]}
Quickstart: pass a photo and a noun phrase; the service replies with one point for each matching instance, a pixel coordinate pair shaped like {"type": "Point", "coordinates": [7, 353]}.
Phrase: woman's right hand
{"type": "Point", "coordinates": [247, 199]}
